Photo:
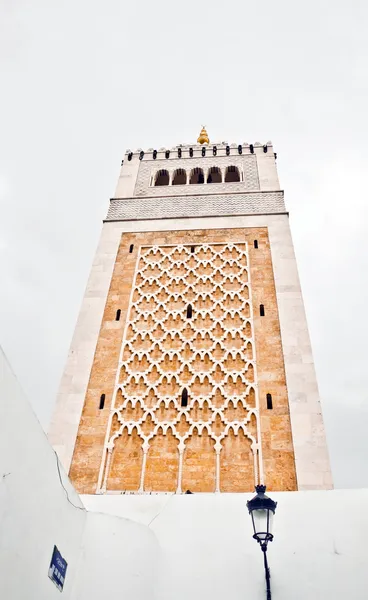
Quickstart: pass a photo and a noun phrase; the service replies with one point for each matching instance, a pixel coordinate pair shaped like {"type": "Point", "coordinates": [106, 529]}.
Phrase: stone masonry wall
{"type": "Point", "coordinates": [255, 439]}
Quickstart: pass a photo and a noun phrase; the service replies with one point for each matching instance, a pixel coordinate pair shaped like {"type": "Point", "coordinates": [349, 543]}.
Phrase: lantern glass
{"type": "Point", "coordinates": [262, 523]}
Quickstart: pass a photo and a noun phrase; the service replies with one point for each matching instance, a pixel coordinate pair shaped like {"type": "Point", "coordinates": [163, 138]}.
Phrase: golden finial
{"type": "Point", "coordinates": [203, 136]}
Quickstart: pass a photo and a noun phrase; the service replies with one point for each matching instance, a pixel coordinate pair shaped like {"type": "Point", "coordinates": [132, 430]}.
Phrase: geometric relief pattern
{"type": "Point", "coordinates": [185, 411]}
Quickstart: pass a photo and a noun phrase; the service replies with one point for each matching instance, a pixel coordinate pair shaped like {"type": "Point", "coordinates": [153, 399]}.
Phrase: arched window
{"type": "Point", "coordinates": [232, 174]}
{"type": "Point", "coordinates": [131, 247]}
{"type": "Point", "coordinates": [261, 310]}
{"type": "Point", "coordinates": [189, 311]}
{"type": "Point", "coordinates": [118, 313]}
{"type": "Point", "coordinates": [179, 177]}
{"type": "Point", "coordinates": [214, 175]}
{"type": "Point", "coordinates": [162, 177]}
{"type": "Point", "coordinates": [184, 397]}
{"type": "Point", "coordinates": [102, 401]}
{"type": "Point", "coordinates": [269, 401]}
{"type": "Point", "coordinates": [197, 176]}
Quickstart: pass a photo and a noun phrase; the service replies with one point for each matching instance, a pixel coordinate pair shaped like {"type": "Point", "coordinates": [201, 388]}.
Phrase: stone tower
{"type": "Point", "coordinates": [191, 366]}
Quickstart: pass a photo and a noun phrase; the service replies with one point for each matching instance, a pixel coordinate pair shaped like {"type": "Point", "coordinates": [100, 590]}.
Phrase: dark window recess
{"type": "Point", "coordinates": [179, 152]}
{"type": "Point", "coordinates": [131, 248]}
{"type": "Point", "coordinates": [265, 149]}
{"type": "Point", "coordinates": [251, 148]}
{"type": "Point", "coordinates": [167, 154]}
{"type": "Point", "coordinates": [184, 397]}
{"type": "Point", "coordinates": [130, 155]}
{"type": "Point", "coordinates": [203, 151]}
{"type": "Point", "coordinates": [269, 401]}
{"type": "Point", "coordinates": [240, 149]}
{"type": "Point", "coordinates": [192, 249]}
{"type": "Point", "coordinates": [141, 155]}
{"type": "Point", "coordinates": [154, 154]}
{"type": "Point", "coordinates": [256, 243]}
{"type": "Point", "coordinates": [261, 310]}
{"type": "Point", "coordinates": [227, 150]}
{"type": "Point", "coordinates": [191, 152]}
{"type": "Point", "coordinates": [102, 401]}
{"type": "Point", "coordinates": [214, 150]}
{"type": "Point", "coordinates": [118, 313]}
{"type": "Point", "coordinates": [189, 311]}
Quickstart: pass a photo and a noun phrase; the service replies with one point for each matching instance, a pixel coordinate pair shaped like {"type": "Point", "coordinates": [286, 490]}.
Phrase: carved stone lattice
{"type": "Point", "coordinates": [185, 410]}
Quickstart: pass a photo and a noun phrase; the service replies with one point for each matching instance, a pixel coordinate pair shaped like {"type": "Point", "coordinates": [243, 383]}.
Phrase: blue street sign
{"type": "Point", "coordinates": [57, 569]}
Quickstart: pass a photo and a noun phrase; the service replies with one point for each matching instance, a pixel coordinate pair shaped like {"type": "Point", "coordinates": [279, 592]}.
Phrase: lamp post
{"type": "Point", "coordinates": [261, 509]}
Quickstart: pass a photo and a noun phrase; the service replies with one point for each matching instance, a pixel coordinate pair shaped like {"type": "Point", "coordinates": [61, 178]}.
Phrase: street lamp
{"type": "Point", "coordinates": [262, 509]}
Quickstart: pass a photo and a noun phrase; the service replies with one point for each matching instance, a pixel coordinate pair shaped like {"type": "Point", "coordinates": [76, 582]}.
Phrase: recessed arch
{"type": "Point", "coordinates": [162, 177]}
{"type": "Point", "coordinates": [196, 175]}
{"type": "Point", "coordinates": [232, 174]}
{"type": "Point", "coordinates": [179, 177]}
{"type": "Point", "coordinates": [214, 175]}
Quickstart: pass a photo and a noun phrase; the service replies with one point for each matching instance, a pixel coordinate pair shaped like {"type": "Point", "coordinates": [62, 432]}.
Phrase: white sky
{"type": "Point", "coordinates": [81, 81]}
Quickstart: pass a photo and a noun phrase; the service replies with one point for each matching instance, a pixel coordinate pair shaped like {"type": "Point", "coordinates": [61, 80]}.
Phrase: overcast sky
{"type": "Point", "coordinates": [81, 81]}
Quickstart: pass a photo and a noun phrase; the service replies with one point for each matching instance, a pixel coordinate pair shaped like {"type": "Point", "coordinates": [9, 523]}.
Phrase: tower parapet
{"type": "Point", "coordinates": [246, 171]}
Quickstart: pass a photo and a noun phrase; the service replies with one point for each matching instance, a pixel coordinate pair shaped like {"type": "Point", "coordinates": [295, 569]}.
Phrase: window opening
{"type": "Point", "coordinates": [131, 248]}
{"type": "Point", "coordinates": [184, 397]}
{"type": "Point", "coordinates": [256, 243]}
{"type": "Point", "coordinates": [180, 177]}
{"type": "Point", "coordinates": [118, 313]}
{"type": "Point", "coordinates": [189, 311]}
{"type": "Point", "coordinates": [162, 177]}
{"type": "Point", "coordinates": [269, 401]}
{"type": "Point", "coordinates": [196, 176]}
{"type": "Point", "coordinates": [102, 401]}
{"type": "Point", "coordinates": [214, 175]}
{"type": "Point", "coordinates": [232, 174]}
{"type": "Point", "coordinates": [192, 249]}
{"type": "Point", "coordinates": [262, 310]}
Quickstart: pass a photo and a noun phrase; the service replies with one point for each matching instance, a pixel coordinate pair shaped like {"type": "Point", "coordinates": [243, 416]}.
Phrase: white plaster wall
{"type": "Point", "coordinates": [120, 558]}
{"type": "Point", "coordinates": [34, 511]}
{"type": "Point", "coordinates": [312, 462]}
{"type": "Point", "coordinates": [103, 552]}
{"type": "Point", "coordinates": [207, 550]}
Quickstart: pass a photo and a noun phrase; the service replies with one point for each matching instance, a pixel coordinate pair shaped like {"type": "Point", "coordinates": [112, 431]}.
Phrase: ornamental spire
{"type": "Point", "coordinates": [203, 136]}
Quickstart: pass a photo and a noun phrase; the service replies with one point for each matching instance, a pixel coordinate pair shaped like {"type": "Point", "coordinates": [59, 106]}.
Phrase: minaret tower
{"type": "Point", "coordinates": [191, 366]}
